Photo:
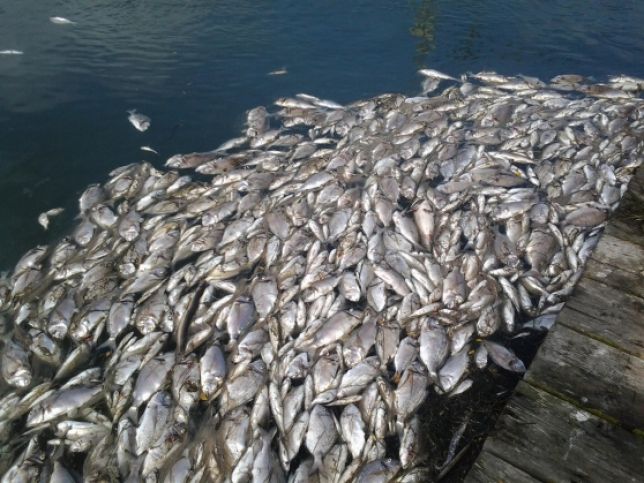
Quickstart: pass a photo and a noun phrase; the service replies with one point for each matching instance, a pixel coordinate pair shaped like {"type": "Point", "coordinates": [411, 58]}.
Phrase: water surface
{"type": "Point", "coordinates": [195, 66]}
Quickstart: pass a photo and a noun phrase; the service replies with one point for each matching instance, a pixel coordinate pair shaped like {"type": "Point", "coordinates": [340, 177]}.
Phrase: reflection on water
{"type": "Point", "coordinates": [195, 66]}
{"type": "Point", "coordinates": [467, 50]}
{"type": "Point", "coordinates": [424, 28]}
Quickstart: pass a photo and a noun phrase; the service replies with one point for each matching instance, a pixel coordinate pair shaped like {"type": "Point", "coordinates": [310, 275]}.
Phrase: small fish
{"type": "Point", "coordinates": [61, 21]}
{"type": "Point", "coordinates": [321, 433]}
{"type": "Point", "coordinates": [148, 148]}
{"type": "Point", "coordinates": [435, 74]}
{"type": "Point", "coordinates": [43, 218]}
{"type": "Point", "coordinates": [504, 357]}
{"type": "Point", "coordinates": [281, 71]}
{"type": "Point", "coordinates": [11, 52]}
{"type": "Point", "coordinates": [140, 121]}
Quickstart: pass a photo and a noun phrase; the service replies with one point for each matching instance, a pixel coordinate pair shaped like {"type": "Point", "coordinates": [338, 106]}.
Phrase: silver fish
{"type": "Point", "coordinates": [140, 121]}
{"type": "Point", "coordinates": [61, 21]}
{"type": "Point", "coordinates": [43, 218]}
{"type": "Point", "coordinates": [321, 434]}
{"type": "Point", "coordinates": [504, 357]}
{"type": "Point", "coordinates": [61, 403]}
{"type": "Point", "coordinates": [213, 370]}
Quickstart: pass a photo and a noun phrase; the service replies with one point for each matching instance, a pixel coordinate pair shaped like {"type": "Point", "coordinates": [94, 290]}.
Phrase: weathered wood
{"type": "Point", "coordinates": [490, 468]}
{"type": "Point", "coordinates": [553, 440]}
{"type": "Point", "coordinates": [624, 281]}
{"type": "Point", "coordinates": [626, 228]}
{"type": "Point", "coordinates": [611, 314]}
{"type": "Point", "coordinates": [629, 338]}
{"type": "Point", "coordinates": [592, 374]}
{"type": "Point", "coordinates": [621, 254]}
{"type": "Point", "coordinates": [627, 223]}
{"type": "Point", "coordinates": [575, 415]}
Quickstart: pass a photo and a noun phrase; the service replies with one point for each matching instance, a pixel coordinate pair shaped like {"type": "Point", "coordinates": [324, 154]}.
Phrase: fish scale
{"type": "Point", "coordinates": [286, 312]}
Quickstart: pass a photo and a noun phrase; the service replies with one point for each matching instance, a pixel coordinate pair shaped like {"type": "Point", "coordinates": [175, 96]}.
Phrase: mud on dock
{"type": "Point", "coordinates": [578, 415]}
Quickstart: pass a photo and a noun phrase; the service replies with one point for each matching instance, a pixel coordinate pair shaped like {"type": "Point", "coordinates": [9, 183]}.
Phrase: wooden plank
{"type": "Point", "coordinates": [553, 440]}
{"type": "Point", "coordinates": [635, 190]}
{"type": "Point", "coordinates": [624, 281]}
{"type": "Point", "coordinates": [490, 468]}
{"type": "Point", "coordinates": [629, 338]}
{"type": "Point", "coordinates": [627, 222]}
{"type": "Point", "coordinates": [626, 228]}
{"type": "Point", "coordinates": [619, 253]}
{"type": "Point", "coordinates": [612, 315]}
{"type": "Point", "coordinates": [592, 375]}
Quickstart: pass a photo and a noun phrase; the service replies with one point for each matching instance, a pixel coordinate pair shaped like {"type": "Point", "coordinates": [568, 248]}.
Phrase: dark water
{"type": "Point", "coordinates": [195, 66]}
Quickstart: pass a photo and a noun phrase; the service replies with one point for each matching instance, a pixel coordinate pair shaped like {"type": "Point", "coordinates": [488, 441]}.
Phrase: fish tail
{"type": "Point", "coordinates": [108, 346]}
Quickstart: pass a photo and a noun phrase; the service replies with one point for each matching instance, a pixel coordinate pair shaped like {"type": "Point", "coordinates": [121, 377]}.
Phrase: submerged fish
{"type": "Point", "coordinates": [140, 121]}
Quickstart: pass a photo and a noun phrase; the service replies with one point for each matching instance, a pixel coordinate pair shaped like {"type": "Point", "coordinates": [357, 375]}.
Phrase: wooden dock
{"type": "Point", "coordinates": [578, 415]}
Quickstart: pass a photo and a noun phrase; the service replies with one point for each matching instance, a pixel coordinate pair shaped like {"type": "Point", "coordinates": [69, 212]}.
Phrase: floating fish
{"type": "Point", "coordinates": [61, 21]}
{"type": "Point", "coordinates": [43, 218]}
{"type": "Point", "coordinates": [149, 149]}
{"type": "Point", "coordinates": [434, 74]}
{"type": "Point", "coordinates": [281, 71]}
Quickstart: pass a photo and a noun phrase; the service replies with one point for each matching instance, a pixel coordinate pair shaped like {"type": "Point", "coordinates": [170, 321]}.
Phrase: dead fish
{"type": "Point", "coordinates": [281, 71]}
{"type": "Point", "coordinates": [43, 218]}
{"type": "Point", "coordinates": [586, 216]}
{"type": "Point", "coordinates": [435, 74]}
{"type": "Point", "coordinates": [453, 370]}
{"type": "Point", "coordinates": [61, 21]}
{"type": "Point", "coordinates": [321, 434]}
{"type": "Point", "coordinates": [434, 348]}
{"type": "Point", "coordinates": [140, 121]}
{"type": "Point", "coordinates": [15, 366]}
{"type": "Point", "coordinates": [61, 403]}
{"type": "Point", "coordinates": [504, 357]}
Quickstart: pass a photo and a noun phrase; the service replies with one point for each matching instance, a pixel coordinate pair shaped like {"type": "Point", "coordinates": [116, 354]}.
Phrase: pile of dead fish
{"type": "Point", "coordinates": [282, 314]}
